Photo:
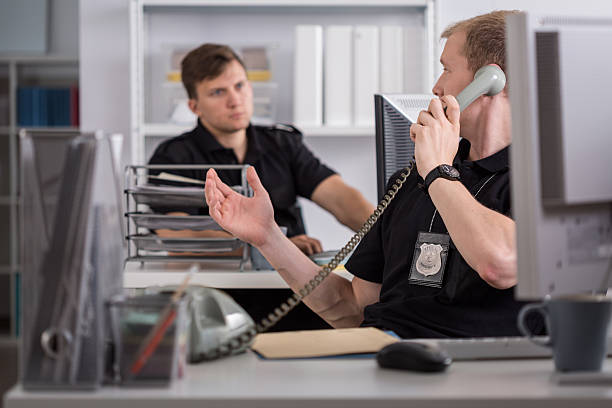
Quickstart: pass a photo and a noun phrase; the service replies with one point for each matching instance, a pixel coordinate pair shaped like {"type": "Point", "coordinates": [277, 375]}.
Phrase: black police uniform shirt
{"type": "Point", "coordinates": [465, 305]}
{"type": "Point", "coordinates": [285, 166]}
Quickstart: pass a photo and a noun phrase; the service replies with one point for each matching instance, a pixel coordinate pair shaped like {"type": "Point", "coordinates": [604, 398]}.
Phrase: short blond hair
{"type": "Point", "coordinates": [485, 41]}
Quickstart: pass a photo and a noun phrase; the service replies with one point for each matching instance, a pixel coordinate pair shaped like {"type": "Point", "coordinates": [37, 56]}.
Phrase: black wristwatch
{"type": "Point", "coordinates": [445, 171]}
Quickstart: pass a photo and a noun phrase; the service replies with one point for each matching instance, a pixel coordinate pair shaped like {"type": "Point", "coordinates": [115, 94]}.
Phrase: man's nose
{"type": "Point", "coordinates": [437, 89]}
{"type": "Point", "coordinates": [233, 97]}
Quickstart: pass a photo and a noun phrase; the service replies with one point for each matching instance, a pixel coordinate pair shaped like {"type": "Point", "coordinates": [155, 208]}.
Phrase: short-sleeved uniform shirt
{"type": "Point", "coordinates": [286, 167]}
{"type": "Point", "coordinates": [465, 305]}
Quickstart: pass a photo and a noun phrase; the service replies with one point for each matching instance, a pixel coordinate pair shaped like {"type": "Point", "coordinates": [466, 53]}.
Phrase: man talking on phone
{"type": "Point", "coordinates": [441, 261]}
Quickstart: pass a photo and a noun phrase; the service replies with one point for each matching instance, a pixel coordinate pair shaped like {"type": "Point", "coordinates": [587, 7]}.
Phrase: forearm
{"type": "Point", "coordinates": [485, 238]}
{"type": "Point", "coordinates": [354, 211]}
{"type": "Point", "coordinates": [252, 220]}
{"type": "Point", "coordinates": [333, 300]}
{"type": "Point", "coordinates": [346, 203]}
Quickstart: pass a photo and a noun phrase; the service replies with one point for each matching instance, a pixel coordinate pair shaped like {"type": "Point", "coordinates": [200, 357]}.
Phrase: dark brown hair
{"type": "Point", "coordinates": [205, 62]}
{"type": "Point", "coordinates": [485, 41]}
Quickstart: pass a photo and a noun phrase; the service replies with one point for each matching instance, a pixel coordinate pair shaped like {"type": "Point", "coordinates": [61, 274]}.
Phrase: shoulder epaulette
{"type": "Point", "coordinates": [287, 128]}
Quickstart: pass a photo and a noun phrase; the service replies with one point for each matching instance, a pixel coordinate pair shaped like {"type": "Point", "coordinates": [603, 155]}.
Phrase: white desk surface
{"type": "Point", "coordinates": [245, 380]}
{"type": "Point", "coordinates": [220, 274]}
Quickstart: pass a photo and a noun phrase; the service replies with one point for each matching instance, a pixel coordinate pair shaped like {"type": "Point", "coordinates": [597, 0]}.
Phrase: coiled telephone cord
{"type": "Point", "coordinates": [294, 300]}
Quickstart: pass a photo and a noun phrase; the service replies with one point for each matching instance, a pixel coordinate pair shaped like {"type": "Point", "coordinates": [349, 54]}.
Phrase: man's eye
{"type": "Point", "coordinates": [240, 85]}
{"type": "Point", "coordinates": [217, 92]}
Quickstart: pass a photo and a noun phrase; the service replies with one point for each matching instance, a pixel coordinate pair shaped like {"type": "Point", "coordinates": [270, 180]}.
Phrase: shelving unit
{"type": "Point", "coordinates": [165, 129]}
{"type": "Point", "coordinates": [16, 71]}
{"type": "Point", "coordinates": [158, 27]}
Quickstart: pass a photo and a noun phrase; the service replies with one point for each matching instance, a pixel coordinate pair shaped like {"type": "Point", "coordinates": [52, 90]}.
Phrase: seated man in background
{"type": "Point", "coordinates": [221, 96]}
{"type": "Point", "coordinates": [465, 288]}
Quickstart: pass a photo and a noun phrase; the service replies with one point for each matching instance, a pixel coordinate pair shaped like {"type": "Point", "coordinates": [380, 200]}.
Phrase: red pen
{"type": "Point", "coordinates": [164, 321]}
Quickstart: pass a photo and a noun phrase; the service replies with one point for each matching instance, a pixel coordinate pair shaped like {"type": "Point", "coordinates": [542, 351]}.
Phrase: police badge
{"type": "Point", "coordinates": [429, 262]}
{"type": "Point", "coordinates": [429, 259]}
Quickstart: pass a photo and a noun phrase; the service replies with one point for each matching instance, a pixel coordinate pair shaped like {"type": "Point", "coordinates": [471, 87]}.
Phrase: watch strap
{"type": "Point", "coordinates": [435, 173]}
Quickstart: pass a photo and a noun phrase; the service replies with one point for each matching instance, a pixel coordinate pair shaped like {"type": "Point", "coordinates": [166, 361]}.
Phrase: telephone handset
{"type": "Point", "coordinates": [488, 80]}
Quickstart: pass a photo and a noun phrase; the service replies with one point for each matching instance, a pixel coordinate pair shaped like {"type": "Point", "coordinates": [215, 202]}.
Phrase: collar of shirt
{"type": "Point", "coordinates": [496, 162]}
{"type": "Point", "coordinates": [208, 143]}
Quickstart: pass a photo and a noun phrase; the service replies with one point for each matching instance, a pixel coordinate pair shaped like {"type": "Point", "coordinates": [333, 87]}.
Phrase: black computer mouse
{"type": "Point", "coordinates": [413, 356]}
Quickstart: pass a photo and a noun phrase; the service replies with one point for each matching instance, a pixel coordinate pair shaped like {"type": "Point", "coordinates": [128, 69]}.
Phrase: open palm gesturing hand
{"type": "Point", "coordinates": [248, 218]}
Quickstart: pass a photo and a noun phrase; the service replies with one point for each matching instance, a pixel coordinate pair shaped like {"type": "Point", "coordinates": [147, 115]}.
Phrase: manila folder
{"type": "Point", "coordinates": [321, 343]}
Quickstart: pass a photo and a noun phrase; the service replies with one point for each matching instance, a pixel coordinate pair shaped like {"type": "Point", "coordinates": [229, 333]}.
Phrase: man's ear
{"type": "Point", "coordinates": [193, 106]}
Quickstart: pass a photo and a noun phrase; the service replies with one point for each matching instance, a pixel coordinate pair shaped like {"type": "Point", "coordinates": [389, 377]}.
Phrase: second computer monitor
{"type": "Point", "coordinates": [560, 85]}
{"type": "Point", "coordinates": [394, 113]}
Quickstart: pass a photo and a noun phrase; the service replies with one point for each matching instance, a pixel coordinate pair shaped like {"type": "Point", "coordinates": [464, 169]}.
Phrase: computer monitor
{"type": "Point", "coordinates": [394, 113]}
{"type": "Point", "coordinates": [560, 85]}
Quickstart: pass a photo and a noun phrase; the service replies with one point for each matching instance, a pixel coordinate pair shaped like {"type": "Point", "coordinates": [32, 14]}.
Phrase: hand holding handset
{"type": "Point", "coordinates": [488, 80]}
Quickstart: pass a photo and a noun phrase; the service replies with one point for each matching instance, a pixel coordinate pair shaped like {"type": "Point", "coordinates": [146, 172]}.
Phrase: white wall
{"type": "Point", "coordinates": [355, 159]}
{"type": "Point", "coordinates": [64, 22]}
{"type": "Point", "coordinates": [23, 29]}
{"type": "Point", "coordinates": [105, 67]}
{"type": "Point", "coordinates": [451, 11]}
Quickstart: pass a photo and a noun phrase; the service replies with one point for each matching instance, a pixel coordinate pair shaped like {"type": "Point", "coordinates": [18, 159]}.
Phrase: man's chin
{"type": "Point", "coordinates": [235, 127]}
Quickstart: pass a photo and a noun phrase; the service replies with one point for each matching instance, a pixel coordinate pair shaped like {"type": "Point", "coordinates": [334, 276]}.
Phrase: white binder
{"type": "Point", "coordinates": [366, 79]}
{"type": "Point", "coordinates": [415, 61]}
{"type": "Point", "coordinates": [308, 76]}
{"type": "Point", "coordinates": [338, 75]}
{"type": "Point", "coordinates": [391, 59]}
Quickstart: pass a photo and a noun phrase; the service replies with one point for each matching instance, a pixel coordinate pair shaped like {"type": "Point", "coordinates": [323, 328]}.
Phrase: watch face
{"type": "Point", "coordinates": [449, 170]}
